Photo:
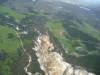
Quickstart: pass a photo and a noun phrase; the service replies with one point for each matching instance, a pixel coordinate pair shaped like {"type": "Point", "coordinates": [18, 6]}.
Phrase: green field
{"type": "Point", "coordinates": [8, 39]}
{"type": "Point", "coordinates": [17, 16]}
{"type": "Point", "coordinates": [58, 31]}
{"type": "Point", "coordinates": [8, 44]}
{"type": "Point", "coordinates": [69, 42]}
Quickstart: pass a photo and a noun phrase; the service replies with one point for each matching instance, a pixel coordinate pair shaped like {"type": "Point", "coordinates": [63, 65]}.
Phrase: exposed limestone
{"type": "Point", "coordinates": [52, 62]}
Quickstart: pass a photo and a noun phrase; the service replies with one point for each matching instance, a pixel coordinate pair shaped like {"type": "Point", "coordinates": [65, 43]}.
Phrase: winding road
{"type": "Point", "coordinates": [29, 56]}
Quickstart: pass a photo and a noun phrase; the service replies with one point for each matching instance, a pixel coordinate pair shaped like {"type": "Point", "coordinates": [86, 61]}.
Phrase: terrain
{"type": "Point", "coordinates": [74, 30]}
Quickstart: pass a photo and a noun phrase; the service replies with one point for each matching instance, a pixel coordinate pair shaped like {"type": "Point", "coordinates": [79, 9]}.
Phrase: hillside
{"type": "Point", "coordinates": [74, 30]}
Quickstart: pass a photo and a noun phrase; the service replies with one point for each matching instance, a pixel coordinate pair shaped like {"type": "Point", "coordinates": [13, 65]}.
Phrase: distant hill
{"type": "Point", "coordinates": [2, 1]}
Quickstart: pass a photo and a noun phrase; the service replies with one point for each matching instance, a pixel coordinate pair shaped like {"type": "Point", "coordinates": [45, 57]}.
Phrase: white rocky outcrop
{"type": "Point", "coordinates": [52, 62]}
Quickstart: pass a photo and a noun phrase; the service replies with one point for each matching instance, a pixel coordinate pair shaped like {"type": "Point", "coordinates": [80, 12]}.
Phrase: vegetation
{"type": "Point", "coordinates": [87, 28]}
{"type": "Point", "coordinates": [73, 34]}
{"type": "Point", "coordinates": [17, 16]}
{"type": "Point", "coordinates": [56, 27]}
{"type": "Point", "coordinates": [8, 44]}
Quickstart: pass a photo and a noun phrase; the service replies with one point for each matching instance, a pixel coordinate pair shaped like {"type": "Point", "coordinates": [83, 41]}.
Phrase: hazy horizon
{"type": "Point", "coordinates": [83, 2]}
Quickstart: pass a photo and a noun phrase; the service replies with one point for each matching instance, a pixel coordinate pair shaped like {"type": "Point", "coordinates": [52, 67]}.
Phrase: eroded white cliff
{"type": "Point", "coordinates": [52, 62]}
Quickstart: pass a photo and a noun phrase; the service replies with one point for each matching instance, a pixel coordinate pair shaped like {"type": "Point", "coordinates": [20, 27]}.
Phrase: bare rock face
{"type": "Point", "coordinates": [52, 62]}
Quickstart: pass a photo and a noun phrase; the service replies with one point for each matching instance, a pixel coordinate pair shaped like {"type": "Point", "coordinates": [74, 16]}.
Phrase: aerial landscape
{"type": "Point", "coordinates": [49, 37]}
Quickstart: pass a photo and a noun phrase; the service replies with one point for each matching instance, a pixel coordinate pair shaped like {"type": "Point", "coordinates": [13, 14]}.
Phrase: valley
{"type": "Point", "coordinates": [73, 31]}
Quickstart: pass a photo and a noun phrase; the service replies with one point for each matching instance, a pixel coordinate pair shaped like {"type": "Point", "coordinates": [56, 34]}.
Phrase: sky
{"type": "Point", "coordinates": [83, 2]}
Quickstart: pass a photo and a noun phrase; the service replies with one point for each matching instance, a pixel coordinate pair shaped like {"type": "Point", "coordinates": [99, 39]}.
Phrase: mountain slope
{"type": "Point", "coordinates": [74, 30]}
